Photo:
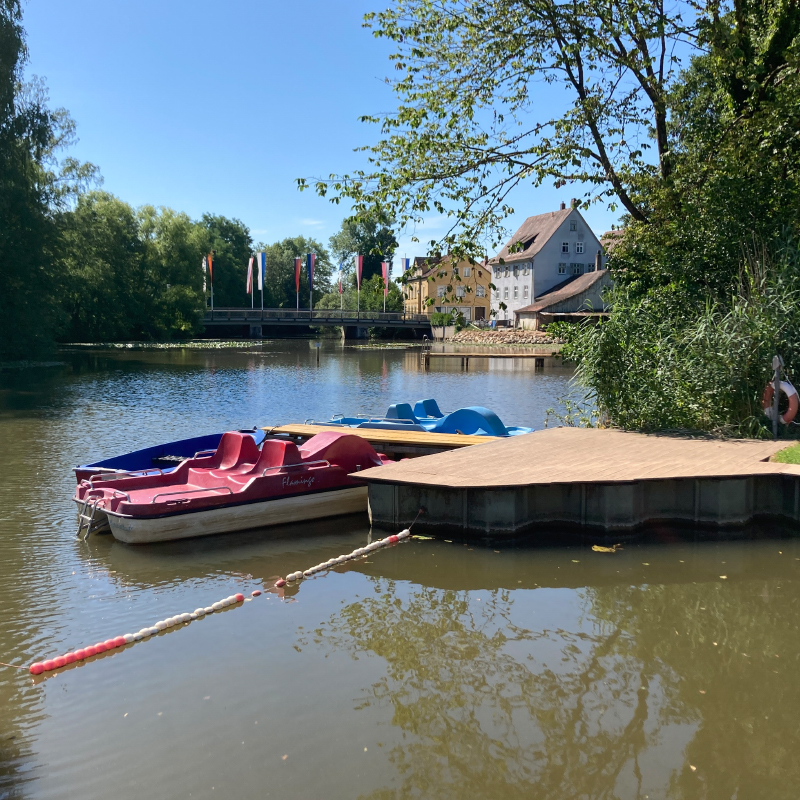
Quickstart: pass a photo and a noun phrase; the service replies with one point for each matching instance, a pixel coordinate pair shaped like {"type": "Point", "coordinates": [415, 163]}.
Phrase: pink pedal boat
{"type": "Point", "coordinates": [235, 487]}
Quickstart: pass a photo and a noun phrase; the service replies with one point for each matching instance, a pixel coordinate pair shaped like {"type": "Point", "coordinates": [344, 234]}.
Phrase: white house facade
{"type": "Point", "coordinates": [548, 250]}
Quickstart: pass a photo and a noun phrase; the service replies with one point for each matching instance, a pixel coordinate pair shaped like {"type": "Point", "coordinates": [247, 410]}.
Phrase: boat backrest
{"type": "Point", "coordinates": [401, 411]}
{"type": "Point", "coordinates": [345, 450]}
{"type": "Point", "coordinates": [274, 453]}
{"type": "Point", "coordinates": [471, 420]}
{"type": "Point", "coordinates": [235, 449]}
{"type": "Point", "coordinates": [427, 408]}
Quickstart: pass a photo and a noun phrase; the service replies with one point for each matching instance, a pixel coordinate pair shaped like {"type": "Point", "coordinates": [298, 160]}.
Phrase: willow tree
{"type": "Point", "coordinates": [500, 93]}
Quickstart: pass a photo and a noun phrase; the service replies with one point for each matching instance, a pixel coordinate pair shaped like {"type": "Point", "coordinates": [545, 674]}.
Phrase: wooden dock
{"type": "Point", "coordinates": [394, 444]}
{"type": "Point", "coordinates": [538, 358]}
{"type": "Point", "coordinates": [587, 478]}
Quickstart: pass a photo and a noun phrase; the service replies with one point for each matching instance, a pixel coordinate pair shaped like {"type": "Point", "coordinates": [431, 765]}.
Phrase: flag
{"type": "Point", "coordinates": [385, 270]}
{"type": "Point", "coordinates": [359, 268]}
{"type": "Point", "coordinates": [310, 259]}
{"type": "Point", "coordinates": [406, 262]}
{"type": "Point", "coordinates": [261, 263]}
{"type": "Point", "coordinates": [205, 269]}
{"type": "Point", "coordinates": [250, 275]}
{"type": "Point", "coordinates": [297, 263]}
{"type": "Point", "coordinates": [341, 274]}
{"type": "Point", "coordinates": [211, 268]}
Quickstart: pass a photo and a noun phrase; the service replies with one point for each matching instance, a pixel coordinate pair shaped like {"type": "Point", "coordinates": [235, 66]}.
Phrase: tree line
{"type": "Point", "coordinates": [79, 264]}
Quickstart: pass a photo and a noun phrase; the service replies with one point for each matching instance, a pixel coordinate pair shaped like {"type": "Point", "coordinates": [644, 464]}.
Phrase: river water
{"type": "Point", "coordinates": [434, 669]}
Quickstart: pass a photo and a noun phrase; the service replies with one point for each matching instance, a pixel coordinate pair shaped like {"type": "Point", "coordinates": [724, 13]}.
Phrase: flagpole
{"type": "Point", "coordinates": [211, 271]}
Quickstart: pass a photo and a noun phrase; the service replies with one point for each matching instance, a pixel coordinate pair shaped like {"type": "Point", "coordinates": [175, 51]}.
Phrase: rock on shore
{"type": "Point", "coordinates": [504, 336]}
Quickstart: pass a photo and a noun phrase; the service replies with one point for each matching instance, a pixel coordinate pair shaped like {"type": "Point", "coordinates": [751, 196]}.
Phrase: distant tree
{"type": "Point", "coordinates": [174, 249]}
{"type": "Point", "coordinates": [233, 246]}
{"type": "Point", "coordinates": [371, 237]}
{"type": "Point", "coordinates": [371, 297]}
{"type": "Point", "coordinates": [279, 285]}
{"type": "Point", "coordinates": [108, 292]}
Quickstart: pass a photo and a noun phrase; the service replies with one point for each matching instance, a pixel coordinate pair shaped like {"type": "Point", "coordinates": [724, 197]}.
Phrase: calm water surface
{"type": "Point", "coordinates": [435, 669]}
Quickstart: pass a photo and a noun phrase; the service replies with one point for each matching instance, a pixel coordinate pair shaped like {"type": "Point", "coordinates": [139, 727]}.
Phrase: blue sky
{"type": "Point", "coordinates": [219, 107]}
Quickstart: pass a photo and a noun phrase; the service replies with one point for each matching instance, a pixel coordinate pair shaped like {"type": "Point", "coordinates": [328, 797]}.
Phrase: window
{"type": "Point", "coordinates": [516, 292]}
{"type": "Point", "coordinates": [562, 269]}
{"type": "Point", "coordinates": [480, 291]}
{"type": "Point", "coordinates": [525, 292]}
{"type": "Point", "coordinates": [460, 291]}
{"type": "Point", "coordinates": [565, 247]}
{"type": "Point", "coordinates": [505, 293]}
{"type": "Point", "coordinates": [441, 291]}
{"type": "Point", "coordinates": [577, 269]}
{"type": "Point", "coordinates": [524, 269]}
{"type": "Point", "coordinates": [516, 271]}
{"type": "Point", "coordinates": [507, 272]}
{"type": "Point", "coordinates": [467, 271]}
{"type": "Point", "coordinates": [578, 247]}
{"type": "Point", "coordinates": [573, 224]}
{"type": "Point", "coordinates": [590, 267]}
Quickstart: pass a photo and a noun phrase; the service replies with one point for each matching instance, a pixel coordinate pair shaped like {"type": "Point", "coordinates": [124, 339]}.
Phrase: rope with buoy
{"type": "Point", "coordinates": [118, 642]}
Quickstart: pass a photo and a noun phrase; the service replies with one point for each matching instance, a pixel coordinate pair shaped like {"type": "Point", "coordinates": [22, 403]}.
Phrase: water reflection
{"type": "Point", "coordinates": [648, 690]}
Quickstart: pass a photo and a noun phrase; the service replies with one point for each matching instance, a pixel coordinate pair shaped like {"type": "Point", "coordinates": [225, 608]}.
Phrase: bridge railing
{"type": "Point", "coordinates": [320, 315]}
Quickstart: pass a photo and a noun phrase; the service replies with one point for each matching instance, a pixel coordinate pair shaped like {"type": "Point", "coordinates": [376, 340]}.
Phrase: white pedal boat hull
{"type": "Point", "coordinates": [279, 511]}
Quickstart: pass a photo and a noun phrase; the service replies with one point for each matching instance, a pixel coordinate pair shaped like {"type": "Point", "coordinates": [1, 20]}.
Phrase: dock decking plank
{"type": "Point", "coordinates": [580, 455]}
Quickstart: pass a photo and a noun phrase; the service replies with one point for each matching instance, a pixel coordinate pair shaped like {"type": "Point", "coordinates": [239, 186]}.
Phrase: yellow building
{"type": "Point", "coordinates": [463, 287]}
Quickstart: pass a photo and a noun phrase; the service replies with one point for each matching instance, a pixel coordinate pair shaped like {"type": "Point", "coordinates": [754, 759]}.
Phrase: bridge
{"type": "Point", "coordinates": [354, 323]}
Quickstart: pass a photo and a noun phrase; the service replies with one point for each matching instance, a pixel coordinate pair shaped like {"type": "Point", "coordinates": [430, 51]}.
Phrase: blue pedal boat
{"type": "Point", "coordinates": [161, 457]}
{"type": "Point", "coordinates": [426, 416]}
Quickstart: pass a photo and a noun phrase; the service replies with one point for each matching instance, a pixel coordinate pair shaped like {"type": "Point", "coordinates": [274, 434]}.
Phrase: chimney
{"type": "Point", "coordinates": [598, 261]}
{"type": "Point", "coordinates": [563, 205]}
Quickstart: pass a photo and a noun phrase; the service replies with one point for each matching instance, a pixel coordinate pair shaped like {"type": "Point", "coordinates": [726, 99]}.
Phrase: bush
{"type": "Point", "coordinates": [441, 320]}
{"type": "Point", "coordinates": [670, 361]}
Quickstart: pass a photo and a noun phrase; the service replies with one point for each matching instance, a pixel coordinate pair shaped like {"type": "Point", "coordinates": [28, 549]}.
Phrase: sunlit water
{"type": "Point", "coordinates": [434, 669]}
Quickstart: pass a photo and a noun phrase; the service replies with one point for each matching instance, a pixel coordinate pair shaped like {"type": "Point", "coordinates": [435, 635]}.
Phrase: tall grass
{"type": "Point", "coordinates": [672, 361]}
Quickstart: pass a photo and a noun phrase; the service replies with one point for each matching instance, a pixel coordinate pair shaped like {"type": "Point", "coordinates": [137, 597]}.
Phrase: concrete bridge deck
{"type": "Point", "coordinates": [293, 318]}
{"type": "Point", "coordinates": [604, 480]}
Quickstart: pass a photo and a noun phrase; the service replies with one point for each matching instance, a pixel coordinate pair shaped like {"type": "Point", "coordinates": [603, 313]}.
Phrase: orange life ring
{"type": "Point", "coordinates": [791, 396]}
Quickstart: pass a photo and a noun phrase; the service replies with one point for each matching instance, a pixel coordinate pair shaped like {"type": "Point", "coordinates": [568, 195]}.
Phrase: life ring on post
{"type": "Point", "coordinates": [791, 396]}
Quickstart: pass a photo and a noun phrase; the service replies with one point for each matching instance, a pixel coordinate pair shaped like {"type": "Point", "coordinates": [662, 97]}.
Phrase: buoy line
{"type": "Point", "coordinates": [292, 578]}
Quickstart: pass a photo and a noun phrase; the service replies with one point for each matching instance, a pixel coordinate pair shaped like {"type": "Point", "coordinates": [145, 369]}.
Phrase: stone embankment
{"type": "Point", "coordinates": [504, 336]}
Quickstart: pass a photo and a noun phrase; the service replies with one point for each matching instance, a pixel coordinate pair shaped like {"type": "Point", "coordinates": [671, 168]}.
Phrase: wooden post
{"type": "Point", "coordinates": [777, 363]}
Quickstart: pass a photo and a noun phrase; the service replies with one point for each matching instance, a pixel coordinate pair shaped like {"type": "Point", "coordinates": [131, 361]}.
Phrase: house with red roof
{"type": "Point", "coordinates": [549, 253]}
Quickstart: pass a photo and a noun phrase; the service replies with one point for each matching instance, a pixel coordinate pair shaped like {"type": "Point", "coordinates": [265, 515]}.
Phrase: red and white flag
{"type": "Point", "coordinates": [359, 268]}
{"type": "Point", "coordinates": [385, 270]}
{"type": "Point", "coordinates": [250, 276]}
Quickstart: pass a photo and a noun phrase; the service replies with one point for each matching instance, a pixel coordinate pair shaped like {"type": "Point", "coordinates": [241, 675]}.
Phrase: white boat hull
{"type": "Point", "coordinates": [143, 530]}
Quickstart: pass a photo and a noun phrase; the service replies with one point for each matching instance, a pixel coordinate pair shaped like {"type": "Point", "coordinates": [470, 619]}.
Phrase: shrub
{"type": "Point", "coordinates": [670, 360]}
{"type": "Point", "coordinates": [441, 320]}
